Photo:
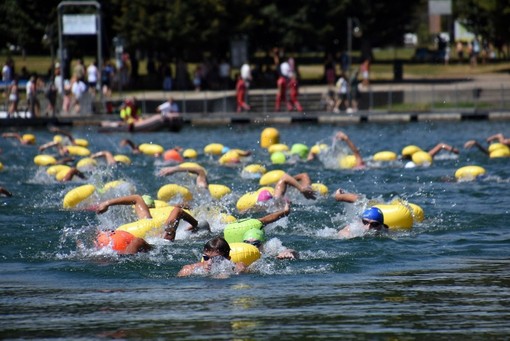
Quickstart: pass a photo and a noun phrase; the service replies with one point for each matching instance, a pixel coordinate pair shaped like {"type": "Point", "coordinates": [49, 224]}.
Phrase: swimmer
{"type": "Point", "coordinates": [504, 147]}
{"type": "Point", "coordinates": [142, 205]}
{"type": "Point", "coordinates": [341, 136]}
{"type": "Point", "coordinates": [5, 192]}
{"type": "Point", "coordinates": [200, 172]}
{"type": "Point", "coordinates": [372, 219]}
{"type": "Point", "coordinates": [23, 141]}
{"type": "Point", "coordinates": [216, 251]}
{"type": "Point", "coordinates": [434, 151]}
{"type": "Point", "coordinates": [500, 138]}
{"type": "Point", "coordinates": [256, 224]}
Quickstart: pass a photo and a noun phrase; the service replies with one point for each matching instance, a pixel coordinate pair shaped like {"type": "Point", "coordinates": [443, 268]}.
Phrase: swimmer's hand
{"type": "Point", "coordinates": [469, 144]}
{"type": "Point", "coordinates": [288, 254]}
{"type": "Point", "coordinates": [309, 193]}
{"type": "Point", "coordinates": [102, 208]}
{"type": "Point", "coordinates": [341, 136]}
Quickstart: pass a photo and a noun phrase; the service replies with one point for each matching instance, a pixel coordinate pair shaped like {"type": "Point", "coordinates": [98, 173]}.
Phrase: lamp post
{"type": "Point", "coordinates": [353, 29]}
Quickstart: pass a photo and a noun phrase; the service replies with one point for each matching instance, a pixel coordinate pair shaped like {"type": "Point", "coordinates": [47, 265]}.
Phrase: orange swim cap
{"type": "Point", "coordinates": [117, 240]}
{"type": "Point", "coordinates": [172, 155]}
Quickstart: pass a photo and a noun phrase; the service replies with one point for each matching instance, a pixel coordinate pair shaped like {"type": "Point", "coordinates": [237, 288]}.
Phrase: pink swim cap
{"type": "Point", "coordinates": [264, 195]}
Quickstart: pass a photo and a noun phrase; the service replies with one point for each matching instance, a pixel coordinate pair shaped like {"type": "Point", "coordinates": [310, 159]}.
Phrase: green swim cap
{"type": "Point", "coordinates": [148, 200]}
{"type": "Point", "coordinates": [254, 234]}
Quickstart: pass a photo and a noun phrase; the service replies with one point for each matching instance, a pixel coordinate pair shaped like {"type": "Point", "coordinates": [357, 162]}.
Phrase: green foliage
{"type": "Point", "coordinates": [189, 28]}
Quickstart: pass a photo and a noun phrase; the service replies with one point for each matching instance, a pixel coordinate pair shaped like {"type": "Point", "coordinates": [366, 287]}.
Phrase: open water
{"type": "Point", "coordinates": [447, 278]}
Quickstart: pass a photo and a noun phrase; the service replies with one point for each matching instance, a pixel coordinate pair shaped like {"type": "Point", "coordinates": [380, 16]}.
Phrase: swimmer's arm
{"type": "Point", "coordinates": [71, 173]}
{"type": "Point", "coordinates": [288, 254]}
{"type": "Point", "coordinates": [201, 179]}
{"type": "Point", "coordinates": [131, 144]}
{"type": "Point", "coordinates": [187, 270]}
{"type": "Point", "coordinates": [340, 195]}
{"type": "Point", "coordinates": [141, 209]}
{"type": "Point", "coordinates": [173, 219]}
{"type": "Point", "coordinates": [345, 233]}
{"type": "Point", "coordinates": [107, 155]}
{"type": "Point", "coordinates": [63, 132]}
{"type": "Point", "coordinates": [500, 138]}
{"type": "Point", "coordinates": [441, 146]}
{"type": "Point", "coordinates": [474, 143]}
{"type": "Point", "coordinates": [49, 145]}
{"type": "Point", "coordinates": [286, 179]}
{"type": "Point", "coordinates": [355, 151]}
{"type": "Point", "coordinates": [270, 218]}
{"type": "Point", "coordinates": [13, 135]}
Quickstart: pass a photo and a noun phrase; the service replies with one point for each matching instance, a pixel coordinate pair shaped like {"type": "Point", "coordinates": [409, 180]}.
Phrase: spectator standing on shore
{"type": "Point", "coordinates": [241, 94]}
{"type": "Point", "coordinates": [342, 91]}
{"type": "Point", "coordinates": [50, 92]}
{"type": "Point", "coordinates": [224, 72]}
{"type": "Point", "coordinates": [92, 77]}
{"type": "Point", "coordinates": [79, 70]}
{"type": "Point", "coordinates": [33, 105]}
{"type": "Point", "coordinates": [330, 71]}
{"type": "Point", "coordinates": [78, 90]}
{"type": "Point", "coordinates": [354, 94]}
{"type": "Point", "coordinates": [294, 93]}
{"type": "Point", "coordinates": [13, 98]}
{"type": "Point", "coordinates": [459, 49]}
{"type": "Point", "coordinates": [166, 74]}
{"type": "Point", "coordinates": [281, 92]}
{"type": "Point", "coordinates": [364, 68]}
{"type": "Point", "coordinates": [474, 52]}
{"type": "Point", "coordinates": [106, 78]}
{"type": "Point", "coordinates": [7, 72]}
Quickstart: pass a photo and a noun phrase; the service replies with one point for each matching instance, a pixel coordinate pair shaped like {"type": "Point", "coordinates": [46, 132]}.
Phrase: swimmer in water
{"type": "Point", "coordinates": [142, 206]}
{"type": "Point", "coordinates": [372, 219]}
{"type": "Point", "coordinates": [500, 138]}
{"type": "Point", "coordinates": [215, 251]}
{"type": "Point", "coordinates": [341, 136]}
{"type": "Point", "coordinates": [24, 140]}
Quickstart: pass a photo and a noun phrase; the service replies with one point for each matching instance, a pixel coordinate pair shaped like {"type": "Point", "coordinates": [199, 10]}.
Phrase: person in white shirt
{"type": "Point", "coordinates": [92, 77]}
{"type": "Point", "coordinates": [168, 107]}
{"type": "Point", "coordinates": [78, 89]}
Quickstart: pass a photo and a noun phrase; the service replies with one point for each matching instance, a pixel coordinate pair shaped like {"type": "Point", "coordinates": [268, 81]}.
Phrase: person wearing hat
{"type": "Point", "coordinates": [372, 219]}
{"type": "Point", "coordinates": [257, 237]}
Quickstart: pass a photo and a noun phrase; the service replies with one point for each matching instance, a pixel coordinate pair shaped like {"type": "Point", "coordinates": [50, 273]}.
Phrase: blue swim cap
{"type": "Point", "coordinates": [373, 213]}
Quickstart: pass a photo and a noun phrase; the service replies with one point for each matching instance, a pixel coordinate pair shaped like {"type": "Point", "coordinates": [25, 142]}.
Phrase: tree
{"type": "Point", "coordinates": [487, 18]}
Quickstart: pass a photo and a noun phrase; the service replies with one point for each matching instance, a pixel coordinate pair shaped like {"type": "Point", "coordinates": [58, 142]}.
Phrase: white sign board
{"type": "Point", "coordinates": [78, 24]}
{"type": "Point", "coordinates": [440, 7]}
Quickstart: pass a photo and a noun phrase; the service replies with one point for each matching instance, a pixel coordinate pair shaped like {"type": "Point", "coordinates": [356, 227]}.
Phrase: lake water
{"type": "Point", "coordinates": [447, 278]}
